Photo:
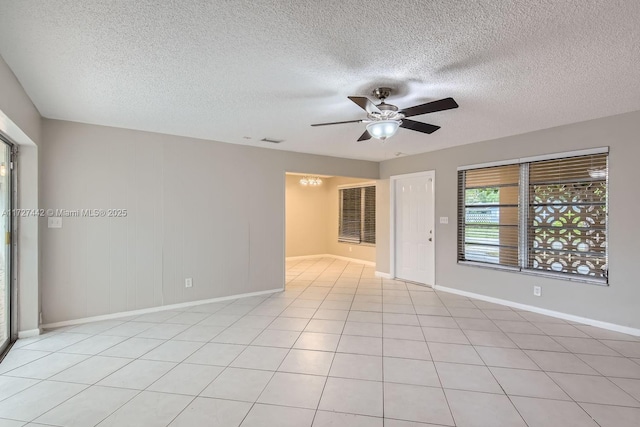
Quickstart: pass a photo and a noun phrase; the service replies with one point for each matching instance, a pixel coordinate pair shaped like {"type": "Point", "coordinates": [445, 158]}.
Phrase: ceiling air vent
{"type": "Point", "coordinates": [271, 140]}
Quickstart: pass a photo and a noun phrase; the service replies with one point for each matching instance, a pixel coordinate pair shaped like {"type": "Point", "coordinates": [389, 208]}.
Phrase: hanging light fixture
{"type": "Point", "coordinates": [312, 181]}
{"type": "Point", "coordinates": [383, 129]}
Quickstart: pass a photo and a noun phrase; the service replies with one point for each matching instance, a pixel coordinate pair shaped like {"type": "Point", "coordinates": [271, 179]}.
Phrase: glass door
{"type": "Point", "coordinates": [5, 245]}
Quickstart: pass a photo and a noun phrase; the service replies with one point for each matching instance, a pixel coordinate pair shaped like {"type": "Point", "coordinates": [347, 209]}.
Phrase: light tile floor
{"type": "Point", "coordinates": [338, 348]}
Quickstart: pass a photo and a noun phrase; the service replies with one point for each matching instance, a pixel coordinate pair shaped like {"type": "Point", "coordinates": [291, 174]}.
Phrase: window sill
{"type": "Point", "coordinates": [344, 242]}
{"type": "Point", "coordinates": [549, 275]}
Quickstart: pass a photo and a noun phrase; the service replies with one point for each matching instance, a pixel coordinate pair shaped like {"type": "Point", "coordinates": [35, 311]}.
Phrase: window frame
{"type": "Point", "coordinates": [361, 185]}
{"type": "Point", "coordinates": [523, 221]}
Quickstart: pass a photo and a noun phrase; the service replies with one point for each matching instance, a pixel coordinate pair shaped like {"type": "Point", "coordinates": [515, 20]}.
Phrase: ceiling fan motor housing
{"type": "Point", "coordinates": [386, 107]}
{"type": "Point", "coordinates": [382, 93]}
{"type": "Point", "coordinates": [386, 111]}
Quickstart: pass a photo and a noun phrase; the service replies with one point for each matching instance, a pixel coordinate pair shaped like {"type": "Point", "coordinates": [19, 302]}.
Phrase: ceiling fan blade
{"type": "Point", "coordinates": [364, 136]}
{"type": "Point", "coordinates": [430, 107]}
{"type": "Point", "coordinates": [365, 104]}
{"type": "Point", "coordinates": [418, 126]}
{"type": "Point", "coordinates": [337, 123]}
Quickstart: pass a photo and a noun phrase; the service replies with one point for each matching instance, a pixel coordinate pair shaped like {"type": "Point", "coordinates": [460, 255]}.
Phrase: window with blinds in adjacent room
{"type": "Point", "coordinates": [357, 216]}
{"type": "Point", "coordinates": [350, 215]}
{"type": "Point", "coordinates": [369, 216]}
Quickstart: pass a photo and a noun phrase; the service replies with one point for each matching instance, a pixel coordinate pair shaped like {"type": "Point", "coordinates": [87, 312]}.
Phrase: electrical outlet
{"type": "Point", "coordinates": [350, 249]}
{"type": "Point", "coordinates": [444, 220]}
{"type": "Point", "coordinates": [537, 291]}
{"type": "Point", "coordinates": [54, 222]}
{"type": "Point", "coordinates": [188, 283]}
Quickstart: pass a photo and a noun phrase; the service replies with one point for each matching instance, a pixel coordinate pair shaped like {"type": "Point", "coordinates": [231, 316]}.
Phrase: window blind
{"type": "Point", "coordinates": [350, 215]}
{"type": "Point", "coordinates": [369, 217]}
{"type": "Point", "coordinates": [488, 215]}
{"type": "Point", "coordinates": [567, 227]}
{"type": "Point", "coordinates": [357, 216]}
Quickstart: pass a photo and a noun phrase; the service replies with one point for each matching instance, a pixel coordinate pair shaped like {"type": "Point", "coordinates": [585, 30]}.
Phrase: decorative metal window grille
{"type": "Point", "coordinates": [546, 216]}
{"type": "Point", "coordinates": [567, 227]}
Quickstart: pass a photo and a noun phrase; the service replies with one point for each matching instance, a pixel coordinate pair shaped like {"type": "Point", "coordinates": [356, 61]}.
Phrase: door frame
{"type": "Point", "coordinates": [392, 219]}
{"type": "Point", "coordinates": [10, 274]}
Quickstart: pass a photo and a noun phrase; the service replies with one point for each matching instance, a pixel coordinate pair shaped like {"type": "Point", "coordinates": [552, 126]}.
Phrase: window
{"type": "Point", "coordinates": [540, 215]}
{"type": "Point", "coordinates": [567, 226]}
{"type": "Point", "coordinates": [357, 216]}
{"type": "Point", "coordinates": [490, 227]}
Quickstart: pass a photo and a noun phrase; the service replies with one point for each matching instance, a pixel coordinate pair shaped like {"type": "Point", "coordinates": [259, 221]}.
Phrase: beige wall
{"type": "Point", "coordinates": [383, 235]}
{"type": "Point", "coordinates": [306, 218]}
{"type": "Point", "coordinates": [312, 220]}
{"type": "Point", "coordinates": [20, 122]}
{"type": "Point", "coordinates": [617, 303]}
{"type": "Point", "coordinates": [201, 209]}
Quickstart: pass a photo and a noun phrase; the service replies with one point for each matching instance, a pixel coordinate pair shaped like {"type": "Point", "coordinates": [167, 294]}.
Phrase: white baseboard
{"type": "Point", "coordinates": [343, 258]}
{"type": "Point", "coordinates": [151, 310]}
{"type": "Point", "coordinates": [28, 333]}
{"type": "Point", "coordinates": [303, 257]}
{"type": "Point", "coordinates": [383, 275]}
{"type": "Point", "coordinates": [557, 314]}
{"type": "Point", "coordinates": [358, 261]}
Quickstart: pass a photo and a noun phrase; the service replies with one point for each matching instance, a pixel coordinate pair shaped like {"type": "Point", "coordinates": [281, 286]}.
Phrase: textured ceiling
{"type": "Point", "coordinates": [225, 70]}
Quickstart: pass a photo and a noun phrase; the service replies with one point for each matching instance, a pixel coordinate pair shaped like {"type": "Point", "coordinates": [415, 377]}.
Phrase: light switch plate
{"type": "Point", "coordinates": [54, 222]}
{"type": "Point", "coordinates": [444, 220]}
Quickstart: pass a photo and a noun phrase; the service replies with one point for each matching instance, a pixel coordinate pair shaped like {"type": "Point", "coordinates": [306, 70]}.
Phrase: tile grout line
{"type": "Point", "coordinates": [289, 351]}
{"type": "Point", "coordinates": [540, 370]}
{"type": "Point", "coordinates": [544, 333]}
{"type": "Point", "coordinates": [130, 362]}
{"type": "Point", "coordinates": [334, 352]}
{"type": "Point", "coordinates": [446, 399]}
{"type": "Point", "coordinates": [194, 397]}
{"type": "Point", "coordinates": [494, 377]}
{"type": "Point", "coordinates": [496, 380]}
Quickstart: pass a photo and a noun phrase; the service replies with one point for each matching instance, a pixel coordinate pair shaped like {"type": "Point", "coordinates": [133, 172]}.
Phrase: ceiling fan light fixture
{"type": "Point", "coordinates": [383, 129]}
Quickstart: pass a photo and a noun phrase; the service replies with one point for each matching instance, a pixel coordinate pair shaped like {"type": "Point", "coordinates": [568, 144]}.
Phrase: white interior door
{"type": "Point", "coordinates": [414, 224]}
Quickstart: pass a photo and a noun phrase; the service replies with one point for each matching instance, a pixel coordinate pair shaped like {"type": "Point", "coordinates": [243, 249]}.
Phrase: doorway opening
{"type": "Point", "coordinates": [329, 221]}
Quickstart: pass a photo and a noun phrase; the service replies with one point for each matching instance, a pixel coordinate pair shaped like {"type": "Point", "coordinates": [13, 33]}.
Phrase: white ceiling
{"type": "Point", "coordinates": [225, 70]}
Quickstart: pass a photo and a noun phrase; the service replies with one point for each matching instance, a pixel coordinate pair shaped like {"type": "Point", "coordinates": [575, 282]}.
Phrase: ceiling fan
{"type": "Point", "coordinates": [383, 120]}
